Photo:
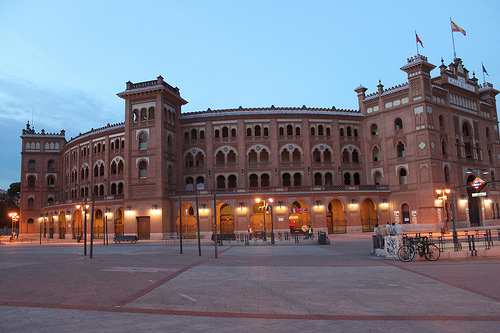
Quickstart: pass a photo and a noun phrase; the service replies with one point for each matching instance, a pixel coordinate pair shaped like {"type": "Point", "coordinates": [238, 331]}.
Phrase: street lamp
{"type": "Point", "coordinates": [13, 217]}
{"type": "Point", "coordinates": [443, 196]}
{"type": "Point", "coordinates": [84, 207]}
{"type": "Point", "coordinates": [265, 204]}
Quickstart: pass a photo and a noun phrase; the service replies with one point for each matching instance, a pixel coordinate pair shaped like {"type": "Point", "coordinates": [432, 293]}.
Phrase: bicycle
{"type": "Point", "coordinates": [429, 250]}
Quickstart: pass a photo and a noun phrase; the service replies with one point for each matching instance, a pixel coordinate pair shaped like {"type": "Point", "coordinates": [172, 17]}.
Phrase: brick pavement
{"type": "Point", "coordinates": [151, 287]}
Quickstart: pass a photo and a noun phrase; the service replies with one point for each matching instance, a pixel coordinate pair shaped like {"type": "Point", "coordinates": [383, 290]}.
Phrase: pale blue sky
{"type": "Point", "coordinates": [66, 60]}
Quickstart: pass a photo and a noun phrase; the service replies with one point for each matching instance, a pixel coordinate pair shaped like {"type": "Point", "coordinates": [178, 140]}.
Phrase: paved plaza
{"type": "Point", "coordinates": [151, 287]}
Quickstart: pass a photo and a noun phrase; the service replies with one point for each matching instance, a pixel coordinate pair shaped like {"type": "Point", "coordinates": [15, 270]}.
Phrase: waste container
{"type": "Point", "coordinates": [322, 238]}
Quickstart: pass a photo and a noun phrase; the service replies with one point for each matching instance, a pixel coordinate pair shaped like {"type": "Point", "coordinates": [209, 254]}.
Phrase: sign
{"type": "Point", "coordinates": [477, 184]}
{"type": "Point", "coordinates": [479, 194]}
{"type": "Point", "coordinates": [299, 210]}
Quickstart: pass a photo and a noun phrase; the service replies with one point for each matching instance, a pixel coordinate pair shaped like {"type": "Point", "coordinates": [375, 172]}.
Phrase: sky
{"type": "Point", "coordinates": [63, 62]}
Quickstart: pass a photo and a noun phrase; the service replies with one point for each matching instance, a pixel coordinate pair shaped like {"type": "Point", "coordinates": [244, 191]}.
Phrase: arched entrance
{"type": "Point", "coordinates": [62, 225]}
{"type": "Point", "coordinates": [119, 227]}
{"type": "Point", "coordinates": [474, 204]}
{"type": "Point", "coordinates": [257, 219]}
{"type": "Point", "coordinates": [368, 215]}
{"type": "Point", "coordinates": [98, 224]}
{"type": "Point", "coordinates": [77, 224]}
{"type": "Point", "coordinates": [225, 219]}
{"type": "Point", "coordinates": [335, 218]}
{"type": "Point", "coordinates": [299, 218]}
{"type": "Point", "coordinates": [188, 222]}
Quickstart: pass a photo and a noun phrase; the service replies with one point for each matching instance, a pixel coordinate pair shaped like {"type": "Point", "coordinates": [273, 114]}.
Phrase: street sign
{"type": "Point", "coordinates": [477, 184]}
{"type": "Point", "coordinates": [480, 194]}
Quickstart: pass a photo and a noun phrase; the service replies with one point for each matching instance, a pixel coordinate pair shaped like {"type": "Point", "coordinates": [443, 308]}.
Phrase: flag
{"type": "Point", "coordinates": [484, 70]}
{"type": "Point", "coordinates": [418, 40]}
{"type": "Point", "coordinates": [456, 28]}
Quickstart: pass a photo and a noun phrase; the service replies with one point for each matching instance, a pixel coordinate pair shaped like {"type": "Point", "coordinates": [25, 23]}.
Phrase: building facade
{"type": "Point", "coordinates": [340, 171]}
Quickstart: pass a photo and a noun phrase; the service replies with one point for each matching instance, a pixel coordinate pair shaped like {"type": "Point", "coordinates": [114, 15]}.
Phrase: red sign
{"type": "Point", "coordinates": [477, 184]}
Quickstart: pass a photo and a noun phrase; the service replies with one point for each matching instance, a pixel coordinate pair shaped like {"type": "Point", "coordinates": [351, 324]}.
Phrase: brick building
{"type": "Point", "coordinates": [339, 171]}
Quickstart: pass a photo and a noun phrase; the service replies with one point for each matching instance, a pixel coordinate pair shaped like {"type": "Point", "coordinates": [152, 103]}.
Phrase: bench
{"type": "Point", "coordinates": [130, 239]}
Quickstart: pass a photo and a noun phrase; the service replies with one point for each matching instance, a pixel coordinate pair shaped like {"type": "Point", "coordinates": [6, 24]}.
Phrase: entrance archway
{"type": "Point", "coordinates": [257, 219]}
{"type": "Point", "coordinates": [299, 217]}
{"type": "Point", "coordinates": [119, 227]}
{"type": "Point", "coordinates": [62, 225]}
{"type": "Point", "coordinates": [474, 204]}
{"type": "Point", "coordinates": [225, 219]}
{"type": "Point", "coordinates": [98, 224]}
{"type": "Point", "coordinates": [368, 215]}
{"type": "Point", "coordinates": [335, 218]}
{"type": "Point", "coordinates": [188, 222]}
{"type": "Point", "coordinates": [77, 224]}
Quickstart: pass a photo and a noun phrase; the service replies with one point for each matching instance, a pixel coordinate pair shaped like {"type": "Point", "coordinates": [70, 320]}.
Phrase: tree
{"type": "Point", "coordinates": [9, 202]}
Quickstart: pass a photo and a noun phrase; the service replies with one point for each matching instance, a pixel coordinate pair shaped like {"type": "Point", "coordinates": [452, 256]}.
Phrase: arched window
{"type": "Point", "coordinates": [120, 188]}
{"type": "Point", "coordinates": [113, 188]}
{"type": "Point", "coordinates": [120, 167]}
{"type": "Point", "coordinates": [313, 131]}
{"type": "Point", "coordinates": [266, 131]}
{"type": "Point", "coordinates": [446, 174]}
{"type": "Point", "coordinates": [347, 178]}
{"type": "Point", "coordinates": [151, 113]}
{"type": "Point", "coordinates": [231, 158]}
{"type": "Point", "coordinates": [318, 179]}
{"type": "Point", "coordinates": [221, 182]}
{"type": "Point", "coordinates": [186, 136]}
{"type": "Point", "coordinates": [225, 132]}
{"type": "Point", "coordinates": [328, 179]}
{"type": "Point", "coordinates": [282, 131]}
{"type": "Point", "coordinates": [233, 132]}
{"type": "Point", "coordinates": [143, 169]}
{"type": "Point", "coordinates": [143, 141]}
{"type": "Point", "coordinates": [355, 156]}
{"type": "Point", "coordinates": [357, 180]}
{"type": "Point", "coordinates": [202, 135]}
{"type": "Point", "coordinates": [401, 149]}
{"type": "Point", "coordinates": [194, 134]}
{"type": "Point", "coordinates": [231, 182]}
{"type": "Point", "coordinates": [169, 174]}
{"type": "Point", "coordinates": [398, 124]}
{"type": "Point", "coordinates": [289, 130]}
{"type": "Point", "coordinates": [254, 180]}
{"type": "Point", "coordinates": [264, 180]}
{"type": "Point", "coordinates": [316, 156]}
{"type": "Point", "coordinates": [297, 131]}
{"type": "Point", "coordinates": [327, 156]}
{"type": "Point", "coordinates": [441, 122]}
{"type": "Point", "coordinates": [328, 131]}
{"type": "Point", "coordinates": [169, 144]}
{"type": "Point", "coordinates": [349, 131]}
{"type": "Point", "coordinates": [345, 156]}
{"type": "Point", "coordinates": [296, 156]}
{"type": "Point", "coordinates": [444, 150]}
{"type": "Point", "coordinates": [285, 156]}
{"type": "Point", "coordinates": [189, 162]}
{"type": "Point", "coordinates": [217, 133]}
{"type": "Point", "coordinates": [297, 179]}
{"type": "Point", "coordinates": [257, 130]}
{"type": "Point", "coordinates": [31, 164]}
{"type": "Point", "coordinates": [286, 180]}
{"type": "Point", "coordinates": [377, 178]}
{"type": "Point", "coordinates": [376, 154]}
{"type": "Point", "coordinates": [220, 158]}
{"type": "Point", "coordinates": [249, 131]}
{"type": "Point", "coordinates": [264, 157]}
{"type": "Point", "coordinates": [143, 114]}
{"type": "Point", "coordinates": [31, 202]}
{"type": "Point", "coordinates": [320, 130]}
{"type": "Point", "coordinates": [51, 165]}
{"type": "Point", "coordinates": [341, 131]}
{"type": "Point", "coordinates": [252, 157]}
{"type": "Point", "coordinates": [402, 177]}
{"type": "Point", "coordinates": [200, 160]}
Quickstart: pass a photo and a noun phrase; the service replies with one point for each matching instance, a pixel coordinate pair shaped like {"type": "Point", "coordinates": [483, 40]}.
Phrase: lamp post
{"type": "Point", "coordinates": [443, 196]}
{"type": "Point", "coordinates": [13, 217]}
{"type": "Point", "coordinates": [265, 204]}
{"type": "Point", "coordinates": [84, 231]}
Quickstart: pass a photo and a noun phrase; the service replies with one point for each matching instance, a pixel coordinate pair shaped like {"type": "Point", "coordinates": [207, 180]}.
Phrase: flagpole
{"type": "Point", "coordinates": [482, 70]}
{"type": "Point", "coordinates": [416, 41]}
{"type": "Point", "coordinates": [453, 41]}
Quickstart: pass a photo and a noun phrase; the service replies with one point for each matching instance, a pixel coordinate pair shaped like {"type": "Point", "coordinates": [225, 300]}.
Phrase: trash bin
{"type": "Point", "coordinates": [376, 242]}
{"type": "Point", "coordinates": [322, 238]}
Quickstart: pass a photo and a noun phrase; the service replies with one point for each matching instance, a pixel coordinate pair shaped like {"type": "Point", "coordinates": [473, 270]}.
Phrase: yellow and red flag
{"type": "Point", "coordinates": [456, 28]}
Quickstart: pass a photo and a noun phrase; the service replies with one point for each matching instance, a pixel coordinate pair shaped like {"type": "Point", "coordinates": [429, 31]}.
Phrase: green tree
{"type": "Point", "coordinates": [9, 202]}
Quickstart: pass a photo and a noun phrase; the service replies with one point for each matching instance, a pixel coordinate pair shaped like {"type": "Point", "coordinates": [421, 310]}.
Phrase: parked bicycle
{"type": "Point", "coordinates": [421, 245]}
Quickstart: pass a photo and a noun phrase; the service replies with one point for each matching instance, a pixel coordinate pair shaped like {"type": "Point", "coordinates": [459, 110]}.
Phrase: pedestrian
{"type": "Point", "coordinates": [399, 229]}
{"type": "Point", "coordinates": [382, 233]}
{"type": "Point", "coordinates": [310, 232]}
{"type": "Point", "coordinates": [376, 234]}
{"type": "Point", "coordinates": [393, 229]}
{"type": "Point", "coordinates": [388, 228]}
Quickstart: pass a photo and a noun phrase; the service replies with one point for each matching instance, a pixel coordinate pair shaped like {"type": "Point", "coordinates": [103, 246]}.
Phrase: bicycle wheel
{"type": "Point", "coordinates": [406, 253]}
{"type": "Point", "coordinates": [433, 253]}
